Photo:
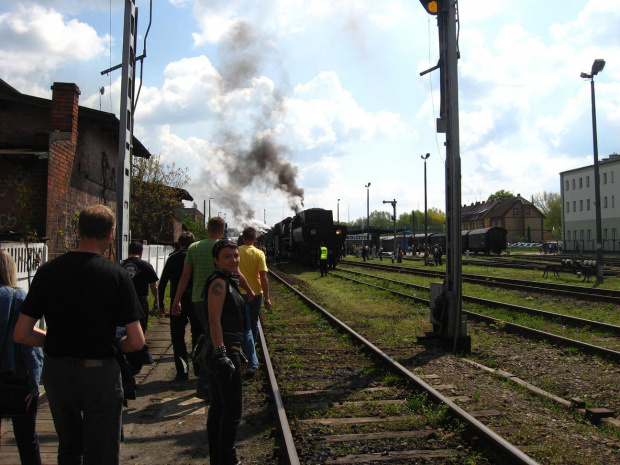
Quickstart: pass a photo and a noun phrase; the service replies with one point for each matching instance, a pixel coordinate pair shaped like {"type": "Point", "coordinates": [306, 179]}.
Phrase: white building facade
{"type": "Point", "coordinates": [579, 211]}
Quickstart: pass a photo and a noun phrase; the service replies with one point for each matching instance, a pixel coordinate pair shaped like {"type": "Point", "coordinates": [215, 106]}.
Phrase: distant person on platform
{"type": "Point", "coordinates": [323, 259]}
{"type": "Point", "coordinates": [198, 267]}
{"type": "Point", "coordinates": [254, 267]}
{"type": "Point", "coordinates": [83, 297]}
{"type": "Point", "coordinates": [173, 269]}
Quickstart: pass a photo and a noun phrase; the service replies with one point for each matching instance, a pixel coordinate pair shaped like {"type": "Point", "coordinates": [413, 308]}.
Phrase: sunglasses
{"type": "Point", "coordinates": [221, 244]}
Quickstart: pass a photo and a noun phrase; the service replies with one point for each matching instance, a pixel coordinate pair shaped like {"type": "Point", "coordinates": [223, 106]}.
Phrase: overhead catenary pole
{"type": "Point", "coordinates": [123, 170]}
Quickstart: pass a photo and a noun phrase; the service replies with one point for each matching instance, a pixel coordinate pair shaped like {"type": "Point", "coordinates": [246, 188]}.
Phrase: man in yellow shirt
{"type": "Point", "coordinates": [253, 266]}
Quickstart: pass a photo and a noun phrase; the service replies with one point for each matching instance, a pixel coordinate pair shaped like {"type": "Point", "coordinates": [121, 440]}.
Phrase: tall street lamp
{"type": "Point", "coordinates": [425, 157]}
{"type": "Point", "coordinates": [367, 186]}
{"type": "Point", "coordinates": [338, 212]}
{"type": "Point", "coordinates": [597, 67]}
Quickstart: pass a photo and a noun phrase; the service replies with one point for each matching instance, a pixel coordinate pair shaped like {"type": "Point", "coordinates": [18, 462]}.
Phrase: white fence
{"type": "Point", "coordinates": [29, 259]}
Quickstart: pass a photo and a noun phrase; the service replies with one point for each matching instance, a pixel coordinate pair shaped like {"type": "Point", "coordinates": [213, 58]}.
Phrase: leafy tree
{"type": "Point", "coordinates": [197, 228]}
{"type": "Point", "coordinates": [500, 195]}
{"type": "Point", "coordinates": [155, 196]}
{"type": "Point", "coordinates": [550, 204]}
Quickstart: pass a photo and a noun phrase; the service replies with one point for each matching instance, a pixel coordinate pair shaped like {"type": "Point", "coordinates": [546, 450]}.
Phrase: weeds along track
{"type": "Point", "coordinates": [524, 391]}
{"type": "Point", "coordinates": [569, 291]}
{"type": "Point", "coordinates": [597, 337]}
{"type": "Point", "coordinates": [345, 404]}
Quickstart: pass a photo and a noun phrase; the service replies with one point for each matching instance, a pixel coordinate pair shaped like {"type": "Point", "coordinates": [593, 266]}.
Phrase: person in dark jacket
{"type": "Point", "coordinates": [173, 269]}
{"type": "Point", "coordinates": [224, 357]}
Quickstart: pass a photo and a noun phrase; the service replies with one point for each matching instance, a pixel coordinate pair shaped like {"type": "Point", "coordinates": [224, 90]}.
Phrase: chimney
{"type": "Point", "coordinates": [65, 98]}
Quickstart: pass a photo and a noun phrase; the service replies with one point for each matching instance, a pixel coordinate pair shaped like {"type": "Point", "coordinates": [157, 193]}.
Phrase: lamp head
{"type": "Point", "coordinates": [585, 76]}
{"type": "Point", "coordinates": [597, 66]}
{"type": "Point", "coordinates": [431, 6]}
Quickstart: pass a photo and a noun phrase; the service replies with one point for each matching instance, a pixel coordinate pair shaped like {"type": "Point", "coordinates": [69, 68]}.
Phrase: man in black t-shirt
{"type": "Point", "coordinates": [143, 276]}
{"type": "Point", "coordinates": [84, 297]}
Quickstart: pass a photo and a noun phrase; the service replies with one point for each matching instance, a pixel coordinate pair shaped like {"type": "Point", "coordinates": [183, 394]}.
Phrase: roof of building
{"type": "Point", "coordinates": [39, 144]}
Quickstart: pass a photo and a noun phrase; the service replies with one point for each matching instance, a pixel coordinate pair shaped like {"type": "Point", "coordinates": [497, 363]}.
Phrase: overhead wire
{"type": "Point", "coordinates": [146, 34]}
{"type": "Point", "coordinates": [430, 80]}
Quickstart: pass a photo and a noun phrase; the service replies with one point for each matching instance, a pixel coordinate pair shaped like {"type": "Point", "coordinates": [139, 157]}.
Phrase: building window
{"type": "Point", "coordinates": [581, 205]}
{"type": "Point", "coordinates": [605, 234]}
{"type": "Point", "coordinates": [589, 234]}
{"type": "Point", "coordinates": [604, 202]}
{"type": "Point", "coordinates": [566, 184]}
{"type": "Point", "coordinates": [581, 234]}
{"type": "Point", "coordinates": [613, 233]}
{"type": "Point", "coordinates": [573, 184]}
{"type": "Point", "coordinates": [574, 205]}
{"type": "Point", "coordinates": [588, 204]}
{"type": "Point", "coordinates": [613, 201]}
{"type": "Point", "coordinates": [612, 177]}
{"type": "Point", "coordinates": [567, 207]}
{"type": "Point", "coordinates": [604, 178]}
{"type": "Point", "coordinates": [568, 235]}
{"type": "Point", "coordinates": [587, 181]}
{"type": "Point", "coordinates": [580, 183]}
{"type": "Point", "coordinates": [515, 211]}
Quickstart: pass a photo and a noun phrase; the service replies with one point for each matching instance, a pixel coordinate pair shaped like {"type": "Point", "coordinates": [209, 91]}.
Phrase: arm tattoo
{"type": "Point", "coordinates": [217, 288]}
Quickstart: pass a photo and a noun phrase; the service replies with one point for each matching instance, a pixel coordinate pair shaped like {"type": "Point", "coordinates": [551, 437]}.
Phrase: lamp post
{"type": "Point", "coordinates": [367, 186]}
{"type": "Point", "coordinates": [597, 67]}
{"type": "Point", "coordinates": [338, 210]}
{"type": "Point", "coordinates": [425, 157]}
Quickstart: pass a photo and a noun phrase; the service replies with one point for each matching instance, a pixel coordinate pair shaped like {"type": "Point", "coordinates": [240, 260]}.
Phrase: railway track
{"type": "Point", "coordinates": [575, 292]}
{"type": "Point", "coordinates": [346, 406]}
{"type": "Point", "coordinates": [323, 400]}
{"type": "Point", "coordinates": [602, 351]}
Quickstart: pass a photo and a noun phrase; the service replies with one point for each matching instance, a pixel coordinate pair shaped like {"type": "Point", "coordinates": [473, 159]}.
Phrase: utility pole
{"type": "Point", "coordinates": [393, 203]}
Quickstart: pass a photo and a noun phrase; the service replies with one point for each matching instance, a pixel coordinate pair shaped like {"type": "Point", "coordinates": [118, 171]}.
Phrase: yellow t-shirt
{"type": "Point", "coordinates": [251, 263]}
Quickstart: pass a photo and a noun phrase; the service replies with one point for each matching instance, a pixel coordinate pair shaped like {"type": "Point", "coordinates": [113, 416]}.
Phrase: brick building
{"type": "Point", "coordinates": [55, 158]}
{"type": "Point", "coordinates": [516, 215]}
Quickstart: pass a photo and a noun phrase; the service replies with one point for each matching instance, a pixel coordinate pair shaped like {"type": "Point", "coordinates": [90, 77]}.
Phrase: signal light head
{"type": "Point", "coordinates": [431, 6]}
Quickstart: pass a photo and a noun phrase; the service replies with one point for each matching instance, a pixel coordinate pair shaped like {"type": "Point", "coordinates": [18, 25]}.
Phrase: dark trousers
{"type": "Point", "coordinates": [26, 436]}
{"type": "Point", "coordinates": [323, 267]}
{"type": "Point", "coordinates": [177, 335]}
{"type": "Point", "coordinates": [86, 401]}
{"type": "Point", "coordinates": [224, 412]}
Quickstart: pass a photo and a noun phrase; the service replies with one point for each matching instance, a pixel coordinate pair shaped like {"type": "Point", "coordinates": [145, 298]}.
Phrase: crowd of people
{"type": "Point", "coordinates": [96, 314]}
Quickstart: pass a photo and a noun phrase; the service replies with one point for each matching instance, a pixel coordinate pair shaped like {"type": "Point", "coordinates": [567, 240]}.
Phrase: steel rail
{"type": "Point", "coordinates": [586, 347]}
{"type": "Point", "coordinates": [507, 449]}
{"type": "Point", "coordinates": [601, 295]}
{"type": "Point", "coordinates": [285, 429]}
{"type": "Point", "coordinates": [572, 320]}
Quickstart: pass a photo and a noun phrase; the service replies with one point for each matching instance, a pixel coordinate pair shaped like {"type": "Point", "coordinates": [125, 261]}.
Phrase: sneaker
{"type": "Point", "coordinates": [249, 373]}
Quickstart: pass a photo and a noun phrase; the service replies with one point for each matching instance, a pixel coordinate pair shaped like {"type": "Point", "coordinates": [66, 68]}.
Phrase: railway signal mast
{"type": "Point", "coordinates": [126, 119]}
{"type": "Point", "coordinates": [446, 297]}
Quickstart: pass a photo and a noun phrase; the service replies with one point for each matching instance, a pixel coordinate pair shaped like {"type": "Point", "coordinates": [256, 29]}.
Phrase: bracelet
{"type": "Point", "coordinates": [219, 352]}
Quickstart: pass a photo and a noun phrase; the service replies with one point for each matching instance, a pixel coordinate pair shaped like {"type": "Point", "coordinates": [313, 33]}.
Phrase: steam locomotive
{"type": "Point", "coordinates": [300, 237]}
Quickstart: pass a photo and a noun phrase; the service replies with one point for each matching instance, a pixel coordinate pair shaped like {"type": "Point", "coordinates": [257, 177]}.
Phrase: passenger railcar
{"type": "Point", "coordinates": [487, 240]}
{"type": "Point", "coordinates": [300, 237]}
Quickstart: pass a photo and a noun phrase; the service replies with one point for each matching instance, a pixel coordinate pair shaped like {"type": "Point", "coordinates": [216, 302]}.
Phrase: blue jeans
{"type": "Point", "coordinates": [26, 436]}
{"type": "Point", "coordinates": [250, 335]}
{"type": "Point", "coordinates": [86, 401]}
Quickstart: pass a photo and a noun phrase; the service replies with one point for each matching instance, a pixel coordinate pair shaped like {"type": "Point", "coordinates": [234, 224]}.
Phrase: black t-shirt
{"type": "Point", "coordinates": [141, 273]}
{"type": "Point", "coordinates": [83, 297]}
{"type": "Point", "coordinates": [173, 269]}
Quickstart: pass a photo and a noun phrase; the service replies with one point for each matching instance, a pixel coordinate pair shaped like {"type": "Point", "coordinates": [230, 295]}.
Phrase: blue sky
{"type": "Point", "coordinates": [332, 91]}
